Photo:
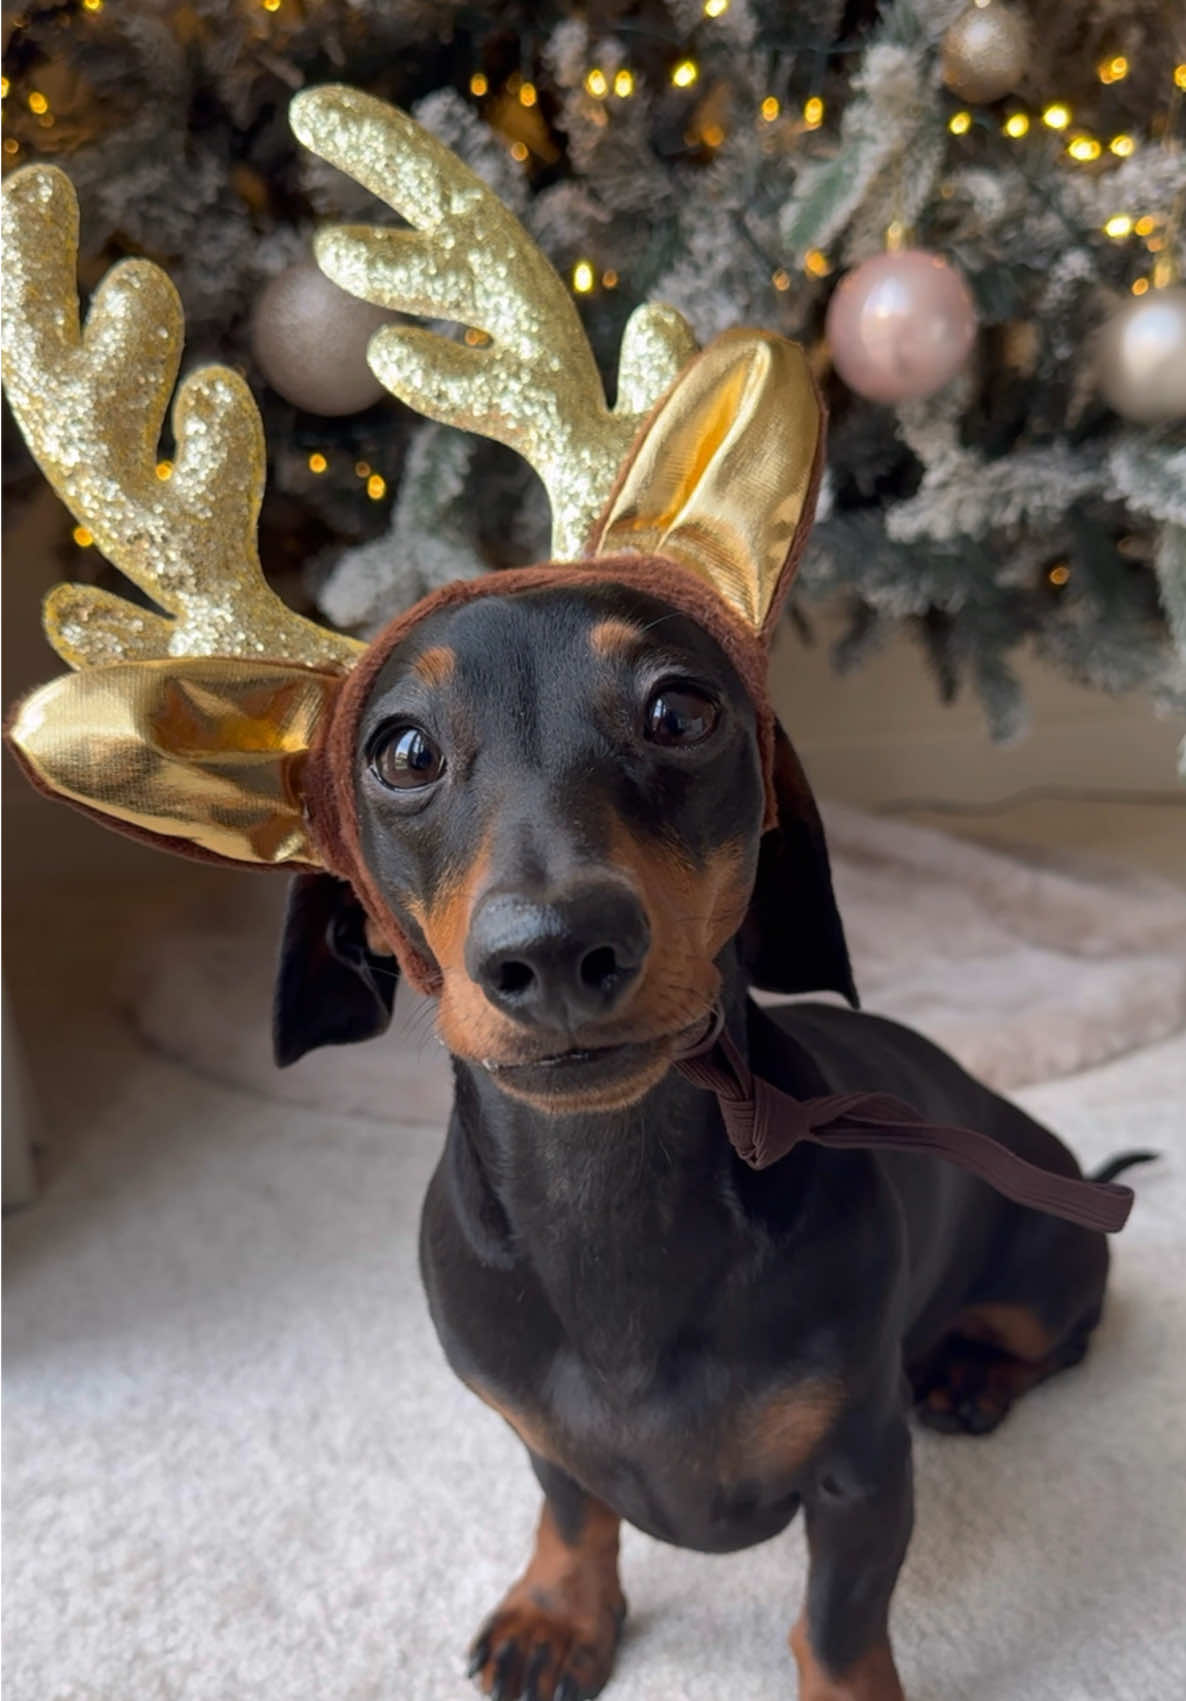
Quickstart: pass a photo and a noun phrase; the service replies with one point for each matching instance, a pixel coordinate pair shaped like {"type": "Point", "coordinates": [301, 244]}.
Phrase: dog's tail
{"type": "Point", "coordinates": [1122, 1161]}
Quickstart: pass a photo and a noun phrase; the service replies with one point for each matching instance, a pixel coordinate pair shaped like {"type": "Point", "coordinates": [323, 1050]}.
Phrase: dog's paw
{"type": "Point", "coordinates": [538, 1648]}
{"type": "Point", "coordinates": [972, 1386]}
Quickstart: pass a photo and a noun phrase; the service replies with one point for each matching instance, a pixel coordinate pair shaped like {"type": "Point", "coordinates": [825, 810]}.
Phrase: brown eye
{"type": "Point", "coordinates": [407, 758]}
{"type": "Point", "coordinates": [679, 714]}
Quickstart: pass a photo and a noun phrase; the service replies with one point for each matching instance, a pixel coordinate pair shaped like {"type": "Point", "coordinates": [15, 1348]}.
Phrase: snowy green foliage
{"type": "Point", "coordinates": [948, 514]}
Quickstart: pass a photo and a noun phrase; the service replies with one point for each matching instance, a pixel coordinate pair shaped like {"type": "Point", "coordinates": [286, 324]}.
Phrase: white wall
{"type": "Point", "coordinates": [880, 735]}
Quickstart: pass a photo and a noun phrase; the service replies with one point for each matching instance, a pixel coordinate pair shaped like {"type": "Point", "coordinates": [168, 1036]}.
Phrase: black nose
{"type": "Point", "coordinates": [561, 963]}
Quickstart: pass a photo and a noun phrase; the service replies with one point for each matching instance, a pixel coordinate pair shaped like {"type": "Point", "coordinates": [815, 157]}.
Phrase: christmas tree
{"type": "Point", "coordinates": [1003, 183]}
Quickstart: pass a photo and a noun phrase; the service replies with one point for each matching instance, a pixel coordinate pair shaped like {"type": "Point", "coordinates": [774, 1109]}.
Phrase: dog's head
{"type": "Point", "coordinates": [553, 796]}
{"type": "Point", "coordinates": [559, 799]}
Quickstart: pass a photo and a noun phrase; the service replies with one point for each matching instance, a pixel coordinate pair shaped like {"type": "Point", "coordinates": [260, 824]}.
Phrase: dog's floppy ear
{"type": "Point", "coordinates": [331, 988]}
{"type": "Point", "coordinates": [792, 939]}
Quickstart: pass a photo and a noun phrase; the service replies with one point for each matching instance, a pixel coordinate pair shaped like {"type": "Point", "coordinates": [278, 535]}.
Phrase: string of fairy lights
{"type": "Point", "coordinates": [1082, 147]}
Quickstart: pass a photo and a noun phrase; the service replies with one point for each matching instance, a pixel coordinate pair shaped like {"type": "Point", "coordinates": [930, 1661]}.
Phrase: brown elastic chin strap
{"type": "Point", "coordinates": [764, 1123]}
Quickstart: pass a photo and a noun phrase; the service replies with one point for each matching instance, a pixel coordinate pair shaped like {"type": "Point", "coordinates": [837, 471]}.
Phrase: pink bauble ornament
{"type": "Point", "coordinates": [900, 325]}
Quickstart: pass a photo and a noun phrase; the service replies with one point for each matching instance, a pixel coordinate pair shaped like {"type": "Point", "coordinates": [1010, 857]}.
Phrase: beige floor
{"type": "Point", "coordinates": [237, 1468]}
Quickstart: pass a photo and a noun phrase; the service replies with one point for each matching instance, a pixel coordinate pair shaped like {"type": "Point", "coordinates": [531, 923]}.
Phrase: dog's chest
{"type": "Point", "coordinates": [694, 1458]}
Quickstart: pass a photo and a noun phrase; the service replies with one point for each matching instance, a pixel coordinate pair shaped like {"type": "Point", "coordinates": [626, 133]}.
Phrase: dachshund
{"type": "Point", "coordinates": [560, 799]}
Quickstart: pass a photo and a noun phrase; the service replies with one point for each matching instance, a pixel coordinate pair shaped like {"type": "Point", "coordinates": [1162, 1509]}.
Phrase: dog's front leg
{"type": "Point", "coordinates": [555, 1633]}
{"type": "Point", "coordinates": [859, 1509]}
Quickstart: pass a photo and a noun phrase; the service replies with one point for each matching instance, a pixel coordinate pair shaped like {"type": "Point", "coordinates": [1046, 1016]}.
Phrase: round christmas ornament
{"type": "Point", "coordinates": [1141, 358]}
{"type": "Point", "coordinates": [310, 339]}
{"type": "Point", "coordinates": [900, 325]}
{"type": "Point", "coordinates": [985, 51]}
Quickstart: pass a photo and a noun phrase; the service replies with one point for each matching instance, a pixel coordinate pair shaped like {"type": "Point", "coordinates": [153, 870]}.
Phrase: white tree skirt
{"type": "Point", "coordinates": [1024, 970]}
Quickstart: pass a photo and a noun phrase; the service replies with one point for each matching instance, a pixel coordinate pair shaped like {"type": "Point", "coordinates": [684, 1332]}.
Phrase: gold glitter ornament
{"type": "Point", "coordinates": [985, 52]}
{"type": "Point", "coordinates": [91, 404]}
{"type": "Point", "coordinates": [535, 385]}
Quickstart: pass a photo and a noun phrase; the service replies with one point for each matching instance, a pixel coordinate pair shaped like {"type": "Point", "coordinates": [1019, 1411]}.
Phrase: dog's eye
{"type": "Point", "coordinates": [680, 714]}
{"type": "Point", "coordinates": [407, 758]}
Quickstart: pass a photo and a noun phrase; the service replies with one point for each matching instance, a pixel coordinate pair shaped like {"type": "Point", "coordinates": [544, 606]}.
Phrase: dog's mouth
{"type": "Point", "coordinates": [602, 1077]}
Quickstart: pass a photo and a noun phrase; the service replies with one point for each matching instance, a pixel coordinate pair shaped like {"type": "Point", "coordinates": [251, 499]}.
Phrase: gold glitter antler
{"type": "Point", "coordinates": [91, 404]}
{"type": "Point", "coordinates": [536, 386]}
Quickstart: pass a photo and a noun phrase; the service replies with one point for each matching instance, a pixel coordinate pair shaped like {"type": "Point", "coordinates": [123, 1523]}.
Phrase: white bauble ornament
{"type": "Point", "coordinates": [1141, 357]}
{"type": "Point", "coordinates": [985, 52]}
{"type": "Point", "coordinates": [310, 340]}
{"type": "Point", "coordinates": [900, 325]}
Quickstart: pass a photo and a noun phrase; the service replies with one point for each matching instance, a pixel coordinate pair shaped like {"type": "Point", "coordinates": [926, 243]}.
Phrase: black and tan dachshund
{"type": "Point", "coordinates": [559, 796]}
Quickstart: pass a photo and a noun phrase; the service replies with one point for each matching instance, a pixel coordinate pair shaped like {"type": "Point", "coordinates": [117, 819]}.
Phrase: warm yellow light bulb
{"type": "Point", "coordinates": [527, 94]}
{"type": "Point", "coordinates": [623, 83]}
{"type": "Point", "coordinates": [685, 73]}
{"type": "Point", "coordinates": [376, 487]}
{"type": "Point", "coordinates": [1180, 76]}
{"type": "Point", "coordinates": [960, 123]}
{"type": "Point", "coordinates": [92, 5]}
{"type": "Point", "coordinates": [715, 8]}
{"type": "Point", "coordinates": [1057, 115]}
{"type": "Point", "coordinates": [271, 5]}
{"type": "Point", "coordinates": [1112, 70]}
{"type": "Point", "coordinates": [317, 463]}
{"type": "Point", "coordinates": [1140, 286]}
{"type": "Point", "coordinates": [1084, 148]}
{"type": "Point", "coordinates": [164, 470]}
{"type": "Point", "coordinates": [1145, 225]}
{"type": "Point", "coordinates": [519, 152]}
{"type": "Point", "coordinates": [596, 83]}
{"type": "Point", "coordinates": [813, 112]}
{"type": "Point", "coordinates": [781, 280]}
{"type": "Point", "coordinates": [1016, 125]}
{"type": "Point", "coordinates": [478, 84]}
{"type": "Point", "coordinates": [82, 537]}
{"type": "Point", "coordinates": [1120, 224]}
{"type": "Point", "coordinates": [815, 261]}
{"type": "Point", "coordinates": [38, 102]}
{"type": "Point", "coordinates": [1059, 573]}
{"type": "Point", "coordinates": [4, 88]}
{"type": "Point", "coordinates": [582, 277]}
{"type": "Point", "coordinates": [770, 109]}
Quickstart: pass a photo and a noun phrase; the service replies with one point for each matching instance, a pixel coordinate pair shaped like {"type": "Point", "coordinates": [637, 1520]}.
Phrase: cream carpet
{"type": "Point", "coordinates": [237, 1468]}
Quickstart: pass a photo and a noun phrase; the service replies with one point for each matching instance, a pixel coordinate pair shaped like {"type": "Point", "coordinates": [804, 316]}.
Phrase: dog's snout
{"type": "Point", "coordinates": [563, 962]}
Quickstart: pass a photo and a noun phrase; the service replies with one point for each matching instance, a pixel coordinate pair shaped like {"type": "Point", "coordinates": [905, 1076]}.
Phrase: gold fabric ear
{"type": "Point", "coordinates": [202, 753]}
{"type": "Point", "coordinates": [722, 478]}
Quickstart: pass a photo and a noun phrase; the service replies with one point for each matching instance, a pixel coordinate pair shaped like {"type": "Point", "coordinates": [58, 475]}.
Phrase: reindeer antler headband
{"type": "Point", "coordinates": [195, 726]}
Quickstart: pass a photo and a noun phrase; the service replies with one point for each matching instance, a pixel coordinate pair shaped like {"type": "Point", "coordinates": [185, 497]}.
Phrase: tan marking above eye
{"type": "Point", "coordinates": [613, 637]}
{"type": "Point", "coordinates": [435, 666]}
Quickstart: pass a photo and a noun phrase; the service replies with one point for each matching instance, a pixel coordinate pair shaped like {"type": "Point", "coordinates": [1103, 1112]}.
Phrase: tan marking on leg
{"type": "Point", "coordinates": [776, 1436]}
{"type": "Point", "coordinates": [562, 1619]}
{"type": "Point", "coordinates": [435, 666]}
{"type": "Point", "coordinates": [530, 1430]}
{"type": "Point", "coordinates": [612, 637]}
{"type": "Point", "coordinates": [1014, 1328]}
{"type": "Point", "coordinates": [873, 1677]}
